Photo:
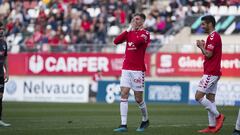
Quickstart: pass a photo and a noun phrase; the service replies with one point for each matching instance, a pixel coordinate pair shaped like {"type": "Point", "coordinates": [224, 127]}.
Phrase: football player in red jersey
{"type": "Point", "coordinates": [133, 70]}
{"type": "Point", "coordinates": [205, 95]}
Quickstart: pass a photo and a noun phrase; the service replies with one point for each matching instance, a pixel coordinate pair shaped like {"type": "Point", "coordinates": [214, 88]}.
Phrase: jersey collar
{"type": "Point", "coordinates": [212, 32]}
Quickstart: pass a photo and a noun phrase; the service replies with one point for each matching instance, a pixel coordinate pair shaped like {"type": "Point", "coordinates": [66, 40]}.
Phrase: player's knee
{"type": "Point", "coordinates": [139, 100]}
{"type": "Point", "coordinates": [197, 98]}
{"type": "Point", "coordinates": [124, 95]}
{"type": "Point", "coordinates": [211, 98]}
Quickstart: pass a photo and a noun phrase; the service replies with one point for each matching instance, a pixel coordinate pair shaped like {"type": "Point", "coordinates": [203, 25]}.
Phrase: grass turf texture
{"type": "Point", "coordinates": [101, 119]}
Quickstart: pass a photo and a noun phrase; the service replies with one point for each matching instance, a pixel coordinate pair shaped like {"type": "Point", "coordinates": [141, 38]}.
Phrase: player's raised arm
{"type": "Point", "coordinates": [120, 38]}
{"type": "Point", "coordinates": [123, 36]}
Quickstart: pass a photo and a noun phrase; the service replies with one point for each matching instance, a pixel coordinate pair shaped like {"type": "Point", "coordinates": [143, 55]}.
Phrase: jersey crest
{"type": "Point", "coordinates": [212, 36]}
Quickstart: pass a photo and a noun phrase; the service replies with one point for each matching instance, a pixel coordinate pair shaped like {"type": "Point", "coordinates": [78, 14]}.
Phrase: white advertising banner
{"type": "Point", "coordinates": [47, 89]}
{"type": "Point", "coordinates": [228, 93]}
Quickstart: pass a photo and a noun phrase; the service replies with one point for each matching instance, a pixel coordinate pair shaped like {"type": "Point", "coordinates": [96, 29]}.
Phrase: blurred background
{"type": "Point", "coordinates": [62, 50]}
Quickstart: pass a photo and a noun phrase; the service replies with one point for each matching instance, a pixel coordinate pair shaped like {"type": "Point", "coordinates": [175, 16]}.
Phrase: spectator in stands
{"type": "Point", "coordinates": [9, 25]}
{"type": "Point", "coordinates": [16, 14]}
{"type": "Point", "coordinates": [154, 11]}
{"type": "Point", "coordinates": [100, 29]}
{"type": "Point", "coordinates": [174, 4]}
{"type": "Point", "coordinates": [5, 7]}
{"type": "Point", "coordinates": [85, 23]}
{"type": "Point", "coordinates": [17, 27]}
{"type": "Point", "coordinates": [150, 23]}
{"type": "Point", "coordinates": [73, 14]}
{"type": "Point", "coordinates": [161, 24]}
{"type": "Point", "coordinates": [103, 13]}
{"type": "Point", "coordinates": [189, 11]}
{"type": "Point", "coordinates": [76, 21]}
{"type": "Point", "coordinates": [111, 6]}
{"type": "Point", "coordinates": [233, 2]}
{"type": "Point", "coordinates": [53, 22]}
{"type": "Point", "coordinates": [120, 16]}
{"type": "Point", "coordinates": [169, 23]}
{"type": "Point", "coordinates": [220, 2]}
{"type": "Point", "coordinates": [180, 13]}
{"type": "Point", "coordinates": [80, 41]}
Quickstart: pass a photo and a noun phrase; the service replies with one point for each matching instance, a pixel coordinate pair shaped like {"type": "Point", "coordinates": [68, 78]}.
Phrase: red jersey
{"type": "Point", "coordinates": [136, 44]}
{"type": "Point", "coordinates": [212, 66]}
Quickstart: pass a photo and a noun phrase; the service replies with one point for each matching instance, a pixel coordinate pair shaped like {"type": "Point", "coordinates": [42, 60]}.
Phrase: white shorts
{"type": "Point", "coordinates": [133, 79]}
{"type": "Point", "coordinates": [208, 84]}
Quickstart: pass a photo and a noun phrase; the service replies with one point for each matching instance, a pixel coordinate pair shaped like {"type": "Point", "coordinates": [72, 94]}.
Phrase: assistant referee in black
{"type": "Point", "coordinates": [3, 70]}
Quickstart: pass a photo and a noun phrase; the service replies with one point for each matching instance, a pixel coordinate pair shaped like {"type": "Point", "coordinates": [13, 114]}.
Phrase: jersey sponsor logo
{"type": "Point", "coordinates": [189, 62]}
{"type": "Point", "coordinates": [131, 46]}
{"type": "Point", "coordinates": [69, 64]}
{"type": "Point", "coordinates": [46, 87]}
{"type": "Point", "coordinates": [137, 80]}
{"type": "Point", "coordinates": [210, 46]}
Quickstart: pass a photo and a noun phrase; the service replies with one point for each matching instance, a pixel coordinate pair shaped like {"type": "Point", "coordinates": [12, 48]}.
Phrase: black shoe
{"type": "Point", "coordinates": [143, 126]}
{"type": "Point", "coordinates": [236, 132]}
{"type": "Point", "coordinates": [121, 128]}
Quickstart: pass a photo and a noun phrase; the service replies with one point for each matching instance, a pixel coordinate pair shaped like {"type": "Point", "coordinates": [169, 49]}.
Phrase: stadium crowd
{"type": "Point", "coordinates": [86, 25]}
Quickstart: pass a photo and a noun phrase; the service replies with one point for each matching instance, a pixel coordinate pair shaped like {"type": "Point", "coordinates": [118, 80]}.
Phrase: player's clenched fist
{"type": "Point", "coordinates": [200, 43]}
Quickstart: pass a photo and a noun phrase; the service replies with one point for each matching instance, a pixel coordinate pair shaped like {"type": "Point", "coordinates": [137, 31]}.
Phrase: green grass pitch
{"type": "Point", "coordinates": [101, 119]}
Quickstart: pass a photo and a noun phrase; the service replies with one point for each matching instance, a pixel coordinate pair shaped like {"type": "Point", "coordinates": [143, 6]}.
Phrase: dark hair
{"type": "Point", "coordinates": [141, 15]}
{"type": "Point", "coordinates": [209, 19]}
{"type": "Point", "coordinates": [1, 25]}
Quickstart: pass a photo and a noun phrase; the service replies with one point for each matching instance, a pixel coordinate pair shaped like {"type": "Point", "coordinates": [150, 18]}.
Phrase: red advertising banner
{"type": "Point", "coordinates": [67, 64]}
{"type": "Point", "coordinates": [177, 64]}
